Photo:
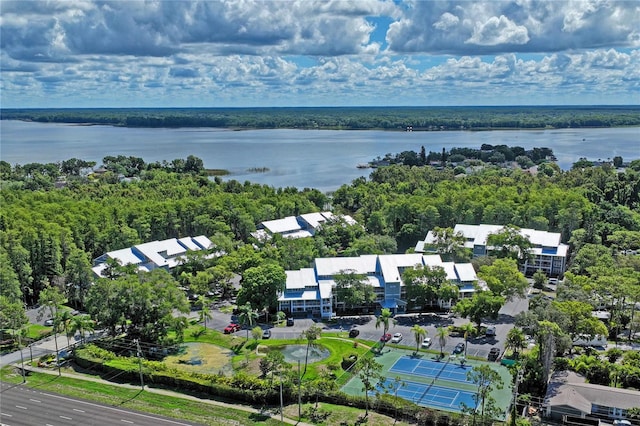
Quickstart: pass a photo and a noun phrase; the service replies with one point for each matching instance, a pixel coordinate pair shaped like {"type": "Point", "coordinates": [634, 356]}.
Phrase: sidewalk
{"type": "Point", "coordinates": [165, 392]}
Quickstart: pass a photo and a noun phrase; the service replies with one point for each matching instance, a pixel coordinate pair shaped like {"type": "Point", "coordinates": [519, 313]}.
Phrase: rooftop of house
{"type": "Point", "coordinates": [569, 389]}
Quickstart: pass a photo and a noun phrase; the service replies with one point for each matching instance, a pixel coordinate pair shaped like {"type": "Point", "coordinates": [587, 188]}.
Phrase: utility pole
{"type": "Point", "coordinates": [514, 412]}
{"type": "Point", "coordinates": [281, 401]}
{"type": "Point", "coordinates": [299, 393]}
{"type": "Point", "coordinates": [139, 354]}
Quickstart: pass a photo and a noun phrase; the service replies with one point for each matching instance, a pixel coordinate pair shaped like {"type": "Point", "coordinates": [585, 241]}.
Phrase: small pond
{"type": "Point", "coordinates": [295, 353]}
{"type": "Point", "coordinates": [202, 358]}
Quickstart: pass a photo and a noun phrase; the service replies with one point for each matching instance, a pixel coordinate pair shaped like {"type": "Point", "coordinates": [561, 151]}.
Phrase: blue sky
{"type": "Point", "coordinates": [318, 53]}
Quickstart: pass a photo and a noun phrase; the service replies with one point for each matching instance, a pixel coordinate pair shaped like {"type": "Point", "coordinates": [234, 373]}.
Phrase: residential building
{"type": "Point", "coordinates": [547, 254]}
{"type": "Point", "coordinates": [311, 291]}
{"type": "Point", "coordinates": [155, 254]}
{"type": "Point", "coordinates": [302, 226]}
{"type": "Point", "coordinates": [568, 394]}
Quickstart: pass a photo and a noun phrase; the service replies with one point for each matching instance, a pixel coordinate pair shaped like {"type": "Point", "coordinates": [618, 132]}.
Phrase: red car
{"type": "Point", "coordinates": [231, 328]}
{"type": "Point", "coordinates": [385, 337]}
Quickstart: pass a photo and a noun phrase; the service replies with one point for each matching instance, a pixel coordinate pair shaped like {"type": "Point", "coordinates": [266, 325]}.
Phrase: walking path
{"type": "Point", "coordinates": [166, 392]}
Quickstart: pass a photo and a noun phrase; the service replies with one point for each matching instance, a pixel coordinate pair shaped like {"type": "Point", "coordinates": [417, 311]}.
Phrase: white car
{"type": "Point", "coordinates": [396, 338]}
{"type": "Point", "coordinates": [426, 342]}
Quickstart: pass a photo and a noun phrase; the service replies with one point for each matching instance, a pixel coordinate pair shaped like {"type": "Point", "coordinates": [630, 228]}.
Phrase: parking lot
{"type": "Point", "coordinates": [479, 347]}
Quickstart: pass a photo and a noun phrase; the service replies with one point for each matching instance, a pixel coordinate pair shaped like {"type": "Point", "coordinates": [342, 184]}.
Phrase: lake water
{"type": "Point", "coordinates": [322, 159]}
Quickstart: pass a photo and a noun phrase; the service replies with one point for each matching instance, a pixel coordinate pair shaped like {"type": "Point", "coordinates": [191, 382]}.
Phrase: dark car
{"type": "Point", "coordinates": [289, 322]}
{"type": "Point", "coordinates": [385, 337]}
{"type": "Point", "coordinates": [494, 353]}
{"type": "Point", "coordinates": [266, 334]}
{"type": "Point", "coordinates": [459, 348]}
{"type": "Point", "coordinates": [231, 328]}
{"type": "Point", "coordinates": [354, 332]}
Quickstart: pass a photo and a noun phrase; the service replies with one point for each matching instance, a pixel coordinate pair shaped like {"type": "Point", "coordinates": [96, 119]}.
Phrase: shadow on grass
{"type": "Point", "coordinates": [259, 417]}
{"type": "Point", "coordinates": [132, 398]}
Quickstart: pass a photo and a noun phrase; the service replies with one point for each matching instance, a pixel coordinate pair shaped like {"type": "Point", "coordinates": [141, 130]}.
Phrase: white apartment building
{"type": "Point", "coordinates": [310, 291]}
{"type": "Point", "coordinates": [547, 254]}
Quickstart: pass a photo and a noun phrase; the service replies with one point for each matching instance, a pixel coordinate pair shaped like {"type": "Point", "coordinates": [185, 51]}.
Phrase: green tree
{"type": "Point", "coordinates": [515, 339]}
{"type": "Point", "coordinates": [504, 279]}
{"type": "Point", "coordinates": [353, 289]}
{"type": "Point", "coordinates": [442, 334]}
{"type": "Point", "coordinates": [256, 333]}
{"type": "Point", "coordinates": [261, 286]}
{"type": "Point", "coordinates": [539, 279]}
{"type": "Point", "coordinates": [419, 333]}
{"type": "Point", "coordinates": [509, 242]}
{"type": "Point", "coordinates": [81, 324]}
{"type": "Point", "coordinates": [486, 380]}
{"type": "Point", "coordinates": [384, 320]}
{"type": "Point", "coordinates": [482, 305]}
{"type": "Point", "coordinates": [205, 310]}
{"type": "Point", "coordinates": [449, 244]}
{"type": "Point", "coordinates": [468, 329]}
{"type": "Point", "coordinates": [422, 284]}
{"type": "Point", "coordinates": [12, 315]}
{"type": "Point", "coordinates": [369, 374]}
{"type": "Point", "coordinates": [247, 317]}
{"type": "Point", "coordinates": [311, 334]}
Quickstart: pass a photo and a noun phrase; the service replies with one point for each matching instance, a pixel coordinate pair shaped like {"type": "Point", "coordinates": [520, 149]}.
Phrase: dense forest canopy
{"type": "Point", "coordinates": [387, 118]}
{"type": "Point", "coordinates": [50, 235]}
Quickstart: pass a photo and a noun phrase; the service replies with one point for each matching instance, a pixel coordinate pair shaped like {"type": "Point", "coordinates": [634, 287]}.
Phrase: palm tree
{"type": "Point", "coordinates": [81, 324]}
{"type": "Point", "coordinates": [247, 317]}
{"type": "Point", "coordinates": [467, 328]}
{"type": "Point", "coordinates": [419, 333]}
{"type": "Point", "coordinates": [384, 319]}
{"type": "Point", "coordinates": [205, 310]}
{"type": "Point", "coordinates": [311, 334]}
{"type": "Point", "coordinates": [63, 323]}
{"type": "Point", "coordinates": [442, 334]}
{"type": "Point", "coordinates": [515, 339]}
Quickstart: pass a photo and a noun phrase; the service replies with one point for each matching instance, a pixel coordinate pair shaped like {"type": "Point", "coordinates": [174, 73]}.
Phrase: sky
{"type": "Point", "coordinates": [286, 53]}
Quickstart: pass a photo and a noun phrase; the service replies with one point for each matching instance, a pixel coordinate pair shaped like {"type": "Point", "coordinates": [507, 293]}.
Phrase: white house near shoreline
{"type": "Point", "coordinates": [310, 291]}
{"type": "Point", "coordinates": [548, 253]}
{"type": "Point", "coordinates": [155, 254]}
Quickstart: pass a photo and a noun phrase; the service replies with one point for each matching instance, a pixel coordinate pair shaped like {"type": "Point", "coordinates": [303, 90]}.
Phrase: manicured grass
{"type": "Point", "coordinates": [339, 414]}
{"type": "Point", "coordinates": [179, 408]}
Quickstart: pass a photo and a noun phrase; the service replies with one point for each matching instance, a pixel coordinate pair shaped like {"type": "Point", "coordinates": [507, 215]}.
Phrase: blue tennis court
{"type": "Point", "coordinates": [432, 369]}
{"type": "Point", "coordinates": [434, 396]}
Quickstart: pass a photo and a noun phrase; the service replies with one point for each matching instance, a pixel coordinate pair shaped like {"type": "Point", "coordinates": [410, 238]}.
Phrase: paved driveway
{"type": "Point", "coordinates": [366, 324]}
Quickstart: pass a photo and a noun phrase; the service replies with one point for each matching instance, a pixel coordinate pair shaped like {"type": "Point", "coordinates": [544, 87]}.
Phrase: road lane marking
{"type": "Point", "coordinates": [34, 400]}
{"type": "Point", "coordinates": [129, 413]}
{"type": "Point", "coordinates": [6, 414]}
{"type": "Point", "coordinates": [78, 410]}
{"type": "Point", "coordinates": [66, 418]}
{"type": "Point", "coordinates": [126, 421]}
{"type": "Point", "coordinates": [20, 406]}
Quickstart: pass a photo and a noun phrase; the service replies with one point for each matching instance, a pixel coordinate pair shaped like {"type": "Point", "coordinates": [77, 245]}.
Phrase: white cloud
{"type": "Point", "coordinates": [498, 31]}
{"type": "Point", "coordinates": [307, 52]}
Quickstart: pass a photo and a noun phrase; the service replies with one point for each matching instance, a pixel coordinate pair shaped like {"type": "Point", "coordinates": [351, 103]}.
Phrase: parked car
{"type": "Point", "coordinates": [49, 323]}
{"type": "Point", "coordinates": [385, 337]}
{"type": "Point", "coordinates": [289, 322]}
{"type": "Point", "coordinates": [231, 328]}
{"type": "Point", "coordinates": [354, 332]}
{"type": "Point", "coordinates": [491, 331]}
{"type": "Point", "coordinates": [426, 342]}
{"type": "Point", "coordinates": [494, 353]}
{"type": "Point", "coordinates": [459, 348]}
{"type": "Point", "coordinates": [396, 338]}
{"type": "Point", "coordinates": [266, 334]}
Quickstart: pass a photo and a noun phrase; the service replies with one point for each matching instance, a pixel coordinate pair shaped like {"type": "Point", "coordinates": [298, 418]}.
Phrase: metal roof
{"type": "Point", "coordinates": [330, 266]}
{"type": "Point", "coordinates": [281, 226]}
{"type": "Point", "coordinates": [300, 279]}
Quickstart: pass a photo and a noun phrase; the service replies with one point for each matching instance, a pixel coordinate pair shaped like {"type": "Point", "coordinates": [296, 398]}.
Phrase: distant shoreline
{"type": "Point", "coordinates": [396, 119]}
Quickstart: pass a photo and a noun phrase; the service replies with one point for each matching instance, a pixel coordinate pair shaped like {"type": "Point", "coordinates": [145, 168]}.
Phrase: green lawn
{"type": "Point", "coordinates": [179, 408]}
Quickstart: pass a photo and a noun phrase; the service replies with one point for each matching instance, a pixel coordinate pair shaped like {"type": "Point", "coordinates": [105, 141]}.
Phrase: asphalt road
{"type": "Point", "coordinates": [20, 405]}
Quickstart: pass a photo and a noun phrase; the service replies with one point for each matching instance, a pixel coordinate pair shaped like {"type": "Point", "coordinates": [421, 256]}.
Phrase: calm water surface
{"type": "Point", "coordinates": [322, 159]}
